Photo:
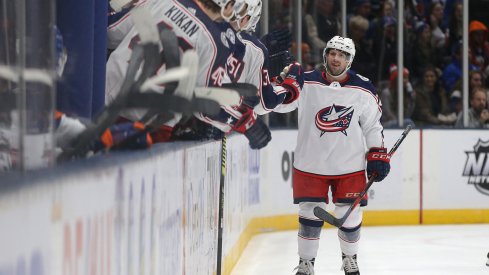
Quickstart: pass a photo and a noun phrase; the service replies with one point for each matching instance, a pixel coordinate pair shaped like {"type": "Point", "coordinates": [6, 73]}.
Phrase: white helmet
{"type": "Point", "coordinates": [251, 8]}
{"type": "Point", "coordinates": [222, 4]}
{"type": "Point", "coordinates": [343, 44]}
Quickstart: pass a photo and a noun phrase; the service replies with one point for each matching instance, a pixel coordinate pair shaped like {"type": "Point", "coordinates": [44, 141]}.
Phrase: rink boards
{"type": "Point", "coordinates": [156, 212]}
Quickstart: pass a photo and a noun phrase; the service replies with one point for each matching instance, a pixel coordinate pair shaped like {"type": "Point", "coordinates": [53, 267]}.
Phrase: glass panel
{"type": "Point", "coordinates": [26, 84]}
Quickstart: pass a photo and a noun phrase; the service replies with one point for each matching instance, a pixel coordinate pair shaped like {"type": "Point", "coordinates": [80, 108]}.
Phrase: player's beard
{"type": "Point", "coordinates": [334, 71]}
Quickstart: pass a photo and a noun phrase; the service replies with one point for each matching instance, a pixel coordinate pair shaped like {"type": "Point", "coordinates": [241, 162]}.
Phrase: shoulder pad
{"type": "Point", "coordinates": [361, 81]}
{"type": "Point", "coordinates": [314, 75]}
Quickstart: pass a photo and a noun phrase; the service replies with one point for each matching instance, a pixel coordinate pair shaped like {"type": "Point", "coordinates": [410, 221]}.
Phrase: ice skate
{"type": "Point", "coordinates": [305, 267]}
{"type": "Point", "coordinates": [350, 265]}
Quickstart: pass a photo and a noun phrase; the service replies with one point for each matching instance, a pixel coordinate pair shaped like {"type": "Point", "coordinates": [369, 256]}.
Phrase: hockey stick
{"type": "Point", "coordinates": [338, 222]}
{"type": "Point", "coordinates": [148, 51]}
{"type": "Point", "coordinates": [171, 58]}
{"type": "Point", "coordinates": [227, 95]}
{"type": "Point", "coordinates": [220, 221]}
{"type": "Point", "coordinates": [184, 90]}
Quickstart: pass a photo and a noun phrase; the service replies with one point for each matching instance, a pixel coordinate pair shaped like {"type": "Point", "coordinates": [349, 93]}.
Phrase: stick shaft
{"type": "Point", "coordinates": [371, 179]}
{"type": "Point", "coordinates": [221, 207]}
{"type": "Point", "coordinates": [338, 222]}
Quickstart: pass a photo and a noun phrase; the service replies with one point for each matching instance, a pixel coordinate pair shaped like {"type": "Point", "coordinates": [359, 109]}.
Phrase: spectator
{"type": "Point", "coordinates": [361, 8]}
{"type": "Point", "coordinates": [478, 113]}
{"type": "Point", "coordinates": [478, 44]}
{"type": "Point", "coordinates": [307, 60]}
{"type": "Point", "coordinates": [455, 25]}
{"type": "Point", "coordinates": [431, 105]}
{"type": "Point", "coordinates": [449, 11]}
{"type": "Point", "coordinates": [376, 24]}
{"type": "Point", "coordinates": [411, 15]}
{"type": "Point", "coordinates": [388, 9]}
{"type": "Point", "coordinates": [385, 47]}
{"type": "Point", "coordinates": [327, 20]}
{"type": "Point", "coordinates": [424, 54]}
{"type": "Point", "coordinates": [389, 98]}
{"type": "Point", "coordinates": [280, 15]}
{"type": "Point", "coordinates": [435, 18]}
{"type": "Point", "coordinates": [311, 33]}
{"type": "Point", "coordinates": [456, 102]}
{"type": "Point", "coordinates": [476, 79]}
{"type": "Point", "coordinates": [452, 73]}
{"type": "Point", "coordinates": [364, 58]}
{"type": "Point", "coordinates": [411, 19]}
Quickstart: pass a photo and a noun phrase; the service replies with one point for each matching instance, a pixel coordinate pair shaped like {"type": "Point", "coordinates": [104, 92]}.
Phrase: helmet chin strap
{"type": "Point", "coordinates": [332, 75]}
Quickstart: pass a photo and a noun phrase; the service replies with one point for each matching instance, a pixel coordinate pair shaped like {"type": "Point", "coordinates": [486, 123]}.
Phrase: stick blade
{"type": "Point", "coordinates": [325, 216]}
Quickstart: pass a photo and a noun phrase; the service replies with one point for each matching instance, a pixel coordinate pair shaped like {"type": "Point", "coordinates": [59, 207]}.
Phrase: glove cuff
{"type": "Point", "coordinates": [292, 88]}
{"type": "Point", "coordinates": [378, 153]}
{"type": "Point", "coordinates": [247, 120]}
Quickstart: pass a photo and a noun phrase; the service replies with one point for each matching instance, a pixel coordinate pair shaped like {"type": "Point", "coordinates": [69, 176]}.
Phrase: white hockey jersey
{"type": "Point", "coordinates": [249, 64]}
{"type": "Point", "coordinates": [119, 25]}
{"type": "Point", "coordinates": [255, 71]}
{"type": "Point", "coordinates": [194, 30]}
{"type": "Point", "coordinates": [337, 123]}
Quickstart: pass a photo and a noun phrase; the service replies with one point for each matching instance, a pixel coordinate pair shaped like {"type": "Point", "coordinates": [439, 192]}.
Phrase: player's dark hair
{"type": "Point", "coordinates": [209, 4]}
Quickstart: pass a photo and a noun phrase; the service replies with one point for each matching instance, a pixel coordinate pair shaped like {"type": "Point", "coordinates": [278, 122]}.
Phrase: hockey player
{"type": "Point", "coordinates": [339, 113]}
{"type": "Point", "coordinates": [251, 63]}
{"type": "Point", "coordinates": [193, 22]}
{"type": "Point", "coordinates": [120, 22]}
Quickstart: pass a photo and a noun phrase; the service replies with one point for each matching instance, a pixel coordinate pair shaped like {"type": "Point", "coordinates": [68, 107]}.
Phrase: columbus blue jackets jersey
{"type": "Point", "coordinates": [255, 63]}
{"type": "Point", "coordinates": [337, 123]}
{"type": "Point", "coordinates": [119, 25]}
{"type": "Point", "coordinates": [249, 64]}
{"type": "Point", "coordinates": [194, 30]}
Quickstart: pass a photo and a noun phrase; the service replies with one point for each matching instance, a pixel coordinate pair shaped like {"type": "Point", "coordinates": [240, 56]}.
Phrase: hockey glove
{"type": "Point", "coordinates": [293, 81]}
{"type": "Point", "coordinates": [277, 62]}
{"type": "Point", "coordinates": [127, 135]}
{"type": "Point", "coordinates": [277, 41]}
{"type": "Point", "coordinates": [378, 163]}
{"type": "Point", "coordinates": [195, 129]}
{"type": "Point", "coordinates": [255, 130]}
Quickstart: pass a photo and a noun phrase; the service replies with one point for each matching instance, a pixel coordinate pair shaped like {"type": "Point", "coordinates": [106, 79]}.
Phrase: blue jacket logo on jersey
{"type": "Point", "coordinates": [334, 118]}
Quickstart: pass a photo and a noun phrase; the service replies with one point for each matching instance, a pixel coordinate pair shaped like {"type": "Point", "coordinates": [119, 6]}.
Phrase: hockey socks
{"type": "Point", "coordinates": [308, 238]}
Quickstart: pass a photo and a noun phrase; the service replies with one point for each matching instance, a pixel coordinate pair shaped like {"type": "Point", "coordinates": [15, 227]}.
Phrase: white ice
{"type": "Point", "coordinates": [413, 250]}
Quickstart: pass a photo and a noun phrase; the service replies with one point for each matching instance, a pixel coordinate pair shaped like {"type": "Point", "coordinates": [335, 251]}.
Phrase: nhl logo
{"type": "Point", "coordinates": [477, 167]}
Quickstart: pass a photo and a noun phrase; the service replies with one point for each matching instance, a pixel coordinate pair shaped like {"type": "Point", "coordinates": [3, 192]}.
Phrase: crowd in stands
{"type": "Point", "coordinates": [433, 52]}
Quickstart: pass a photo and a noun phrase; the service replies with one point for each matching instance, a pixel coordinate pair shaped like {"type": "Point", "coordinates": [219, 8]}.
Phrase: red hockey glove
{"type": "Point", "coordinates": [255, 130]}
{"type": "Point", "coordinates": [293, 81]}
{"type": "Point", "coordinates": [378, 163]}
